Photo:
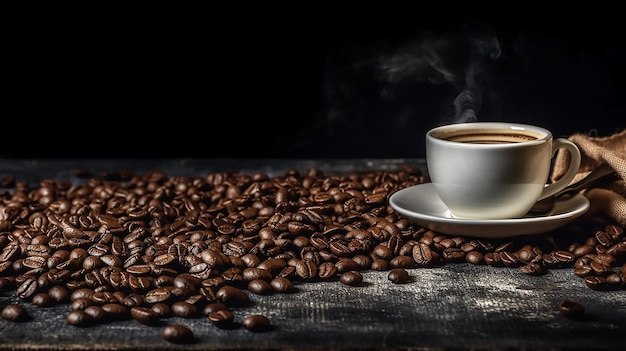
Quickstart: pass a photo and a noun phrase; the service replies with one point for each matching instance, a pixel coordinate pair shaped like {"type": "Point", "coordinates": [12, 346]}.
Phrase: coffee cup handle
{"type": "Point", "coordinates": [574, 164]}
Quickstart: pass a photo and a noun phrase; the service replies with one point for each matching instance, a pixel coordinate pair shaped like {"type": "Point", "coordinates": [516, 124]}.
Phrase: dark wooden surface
{"type": "Point", "coordinates": [455, 306]}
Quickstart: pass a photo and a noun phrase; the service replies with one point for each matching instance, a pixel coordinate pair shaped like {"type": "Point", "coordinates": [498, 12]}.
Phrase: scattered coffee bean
{"type": "Point", "coordinates": [398, 276]}
{"type": "Point", "coordinates": [14, 312]}
{"type": "Point", "coordinates": [256, 323]}
{"type": "Point", "coordinates": [177, 333]}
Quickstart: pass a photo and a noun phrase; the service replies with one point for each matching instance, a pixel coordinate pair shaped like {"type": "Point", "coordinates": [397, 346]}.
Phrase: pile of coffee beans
{"type": "Point", "coordinates": [148, 246]}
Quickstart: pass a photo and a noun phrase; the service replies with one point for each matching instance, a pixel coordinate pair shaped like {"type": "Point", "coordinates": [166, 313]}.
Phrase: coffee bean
{"type": "Point", "coordinates": [345, 264]}
{"type": "Point", "coordinates": [79, 318]}
{"type": "Point", "coordinates": [80, 293]}
{"type": "Point", "coordinates": [221, 318]}
{"type": "Point", "coordinates": [351, 278]}
{"type": "Point", "coordinates": [380, 264]}
{"type": "Point", "coordinates": [59, 293]}
{"type": "Point", "coordinates": [383, 251]}
{"type": "Point", "coordinates": [454, 254]}
{"type": "Point", "coordinates": [471, 245]}
{"type": "Point", "coordinates": [96, 313]}
{"type": "Point", "coordinates": [571, 309]}
{"type": "Point", "coordinates": [364, 261]}
{"type": "Point", "coordinates": [614, 230]}
{"type": "Point", "coordinates": [526, 254]}
{"type": "Point", "coordinates": [184, 309]}
{"type": "Point", "coordinates": [28, 288]}
{"type": "Point", "coordinates": [177, 333]}
{"type": "Point", "coordinates": [232, 296]}
{"type": "Point", "coordinates": [600, 268]}
{"type": "Point", "coordinates": [595, 283]}
{"type": "Point", "coordinates": [583, 270]}
{"type": "Point", "coordinates": [282, 285]}
{"type": "Point", "coordinates": [42, 300]}
{"type": "Point", "coordinates": [403, 262]}
{"type": "Point", "coordinates": [260, 287]}
{"type": "Point", "coordinates": [82, 302]}
{"type": "Point", "coordinates": [563, 256]}
{"type": "Point", "coordinates": [605, 259]}
{"type": "Point", "coordinates": [618, 249]}
{"type": "Point", "coordinates": [493, 258]}
{"type": "Point", "coordinates": [212, 307]}
{"type": "Point", "coordinates": [103, 297]}
{"type": "Point", "coordinates": [14, 312]}
{"type": "Point", "coordinates": [474, 257]}
{"type": "Point", "coordinates": [531, 269]}
{"type": "Point", "coordinates": [144, 315]}
{"type": "Point", "coordinates": [583, 250]}
{"type": "Point", "coordinates": [158, 295]}
{"type": "Point", "coordinates": [233, 276]}
{"type": "Point", "coordinates": [273, 265]}
{"type": "Point", "coordinates": [326, 271]}
{"type": "Point", "coordinates": [161, 310]}
{"type": "Point", "coordinates": [252, 273]}
{"type": "Point", "coordinates": [339, 248]}
{"type": "Point", "coordinates": [306, 269]}
{"type": "Point", "coordinates": [256, 323]}
{"type": "Point", "coordinates": [509, 259]}
{"type": "Point", "coordinates": [616, 279]}
{"type": "Point", "coordinates": [604, 238]}
{"type": "Point", "coordinates": [398, 276]}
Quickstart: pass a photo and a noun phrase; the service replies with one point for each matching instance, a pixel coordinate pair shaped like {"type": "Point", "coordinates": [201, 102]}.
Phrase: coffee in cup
{"type": "Point", "coordinates": [494, 170]}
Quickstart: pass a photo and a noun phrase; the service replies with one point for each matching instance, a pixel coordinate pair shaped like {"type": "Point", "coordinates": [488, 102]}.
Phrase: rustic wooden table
{"type": "Point", "coordinates": [451, 307]}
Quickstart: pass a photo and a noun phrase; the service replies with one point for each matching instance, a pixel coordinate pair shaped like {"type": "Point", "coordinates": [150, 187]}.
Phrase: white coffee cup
{"type": "Point", "coordinates": [494, 170]}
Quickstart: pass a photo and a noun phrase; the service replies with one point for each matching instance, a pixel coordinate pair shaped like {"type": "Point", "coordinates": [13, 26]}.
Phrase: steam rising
{"type": "Point", "coordinates": [395, 88]}
{"type": "Point", "coordinates": [457, 58]}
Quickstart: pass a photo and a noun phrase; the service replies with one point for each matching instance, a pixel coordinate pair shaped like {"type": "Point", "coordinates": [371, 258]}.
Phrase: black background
{"type": "Point", "coordinates": [314, 81]}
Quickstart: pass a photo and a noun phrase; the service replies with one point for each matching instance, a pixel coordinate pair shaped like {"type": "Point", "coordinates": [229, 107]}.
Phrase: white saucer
{"type": "Point", "coordinates": [421, 204]}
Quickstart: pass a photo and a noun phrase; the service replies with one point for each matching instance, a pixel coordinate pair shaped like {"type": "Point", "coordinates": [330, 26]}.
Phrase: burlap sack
{"type": "Point", "coordinates": [607, 200]}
